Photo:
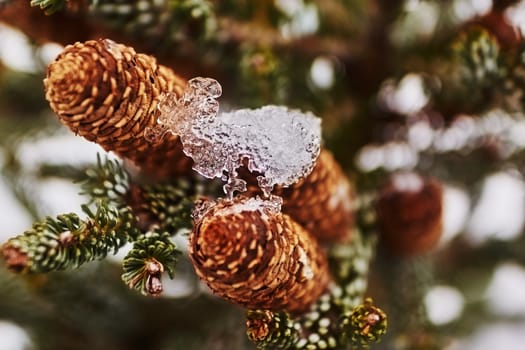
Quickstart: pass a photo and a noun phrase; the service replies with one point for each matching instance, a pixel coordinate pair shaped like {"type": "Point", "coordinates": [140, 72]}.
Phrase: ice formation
{"type": "Point", "coordinates": [263, 206]}
{"type": "Point", "coordinates": [280, 144]}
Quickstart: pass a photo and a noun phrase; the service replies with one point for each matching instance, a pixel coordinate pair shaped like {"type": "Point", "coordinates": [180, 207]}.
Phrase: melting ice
{"type": "Point", "coordinates": [279, 143]}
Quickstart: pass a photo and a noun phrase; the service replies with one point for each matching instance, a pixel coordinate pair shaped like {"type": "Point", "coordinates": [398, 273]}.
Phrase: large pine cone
{"type": "Point", "coordinates": [108, 93]}
{"type": "Point", "coordinates": [257, 257]}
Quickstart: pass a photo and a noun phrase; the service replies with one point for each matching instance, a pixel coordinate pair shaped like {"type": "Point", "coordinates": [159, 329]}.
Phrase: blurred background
{"type": "Point", "coordinates": [433, 87]}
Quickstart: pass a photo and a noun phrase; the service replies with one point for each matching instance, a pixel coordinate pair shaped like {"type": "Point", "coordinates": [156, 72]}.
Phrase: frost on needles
{"type": "Point", "coordinates": [280, 144]}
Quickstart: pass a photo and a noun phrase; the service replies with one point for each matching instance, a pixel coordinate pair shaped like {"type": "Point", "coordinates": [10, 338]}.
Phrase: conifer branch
{"type": "Point", "coordinates": [349, 264]}
{"type": "Point", "coordinates": [324, 326]}
{"type": "Point", "coordinates": [108, 180]}
{"type": "Point", "coordinates": [68, 241]}
{"type": "Point", "coordinates": [49, 6]}
{"type": "Point", "coordinates": [151, 255]}
{"type": "Point", "coordinates": [164, 206]}
{"type": "Point", "coordinates": [167, 207]}
{"type": "Point", "coordinates": [478, 54]}
{"type": "Point", "coordinates": [165, 22]}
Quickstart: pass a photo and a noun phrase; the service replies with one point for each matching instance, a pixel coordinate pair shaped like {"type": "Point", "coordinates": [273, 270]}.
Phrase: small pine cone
{"type": "Point", "coordinates": [409, 214]}
{"type": "Point", "coordinates": [108, 94]}
{"type": "Point", "coordinates": [250, 253]}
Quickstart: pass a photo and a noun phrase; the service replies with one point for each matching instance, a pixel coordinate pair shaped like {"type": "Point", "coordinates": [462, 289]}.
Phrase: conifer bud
{"type": "Point", "coordinates": [247, 251]}
{"type": "Point", "coordinates": [108, 94]}
{"type": "Point", "coordinates": [269, 330]}
{"type": "Point", "coordinates": [409, 214]}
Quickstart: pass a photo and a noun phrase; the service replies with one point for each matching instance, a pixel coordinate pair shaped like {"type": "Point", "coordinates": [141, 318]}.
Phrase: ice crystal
{"type": "Point", "coordinates": [270, 206]}
{"type": "Point", "coordinates": [276, 142]}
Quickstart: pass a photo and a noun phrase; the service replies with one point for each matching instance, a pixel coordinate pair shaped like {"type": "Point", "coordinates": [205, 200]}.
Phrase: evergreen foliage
{"type": "Point", "coordinates": [49, 6]}
{"type": "Point", "coordinates": [428, 88]}
{"type": "Point", "coordinates": [68, 241]}
{"type": "Point", "coordinates": [151, 255]}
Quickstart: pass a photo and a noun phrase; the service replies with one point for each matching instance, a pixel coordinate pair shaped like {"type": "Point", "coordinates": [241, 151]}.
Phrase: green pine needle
{"type": "Point", "coordinates": [108, 180]}
{"type": "Point", "coordinates": [167, 207]}
{"type": "Point", "coordinates": [67, 241]}
{"type": "Point", "coordinates": [151, 255]}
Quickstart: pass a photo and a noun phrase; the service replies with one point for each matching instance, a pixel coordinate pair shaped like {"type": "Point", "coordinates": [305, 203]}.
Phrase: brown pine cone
{"type": "Point", "coordinates": [409, 214]}
{"type": "Point", "coordinates": [248, 252]}
{"type": "Point", "coordinates": [108, 94]}
{"type": "Point", "coordinates": [322, 202]}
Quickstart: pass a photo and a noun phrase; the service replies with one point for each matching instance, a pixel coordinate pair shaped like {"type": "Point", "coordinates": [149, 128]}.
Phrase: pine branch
{"type": "Point", "coordinates": [478, 55]}
{"type": "Point", "coordinates": [163, 22]}
{"type": "Point", "coordinates": [67, 241]}
{"type": "Point", "coordinates": [49, 6]}
{"type": "Point", "coordinates": [324, 326]}
{"type": "Point", "coordinates": [165, 206]}
{"type": "Point", "coordinates": [349, 264]}
{"type": "Point", "coordinates": [151, 255]}
{"type": "Point", "coordinates": [517, 81]}
{"type": "Point", "coordinates": [108, 180]}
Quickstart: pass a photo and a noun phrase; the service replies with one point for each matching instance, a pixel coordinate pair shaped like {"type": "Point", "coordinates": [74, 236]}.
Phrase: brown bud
{"type": "Point", "coordinates": [16, 260]}
{"type": "Point", "coordinates": [250, 253]}
{"type": "Point", "coordinates": [153, 270]}
{"type": "Point", "coordinates": [409, 214]}
{"type": "Point", "coordinates": [257, 324]}
{"type": "Point", "coordinates": [108, 94]}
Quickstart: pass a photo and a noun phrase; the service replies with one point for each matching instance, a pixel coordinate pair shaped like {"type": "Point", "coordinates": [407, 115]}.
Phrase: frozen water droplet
{"type": "Point", "coordinates": [279, 143]}
{"type": "Point", "coordinates": [167, 104]}
{"type": "Point", "coordinates": [228, 206]}
{"type": "Point", "coordinates": [201, 207]}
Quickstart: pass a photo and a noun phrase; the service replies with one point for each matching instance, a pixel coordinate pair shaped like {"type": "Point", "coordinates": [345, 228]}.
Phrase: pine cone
{"type": "Point", "coordinates": [248, 252]}
{"type": "Point", "coordinates": [409, 214]}
{"type": "Point", "coordinates": [108, 93]}
{"type": "Point", "coordinates": [322, 202]}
